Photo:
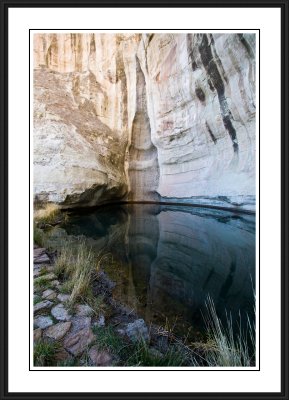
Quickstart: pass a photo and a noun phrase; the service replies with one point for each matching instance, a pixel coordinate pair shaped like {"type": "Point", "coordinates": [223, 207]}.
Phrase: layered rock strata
{"type": "Point", "coordinates": [144, 117]}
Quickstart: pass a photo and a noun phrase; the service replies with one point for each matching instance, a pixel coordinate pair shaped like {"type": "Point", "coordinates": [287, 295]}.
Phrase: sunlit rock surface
{"type": "Point", "coordinates": [145, 117]}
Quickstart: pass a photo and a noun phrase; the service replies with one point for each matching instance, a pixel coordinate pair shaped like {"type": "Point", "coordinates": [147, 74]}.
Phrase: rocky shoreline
{"type": "Point", "coordinates": [74, 330]}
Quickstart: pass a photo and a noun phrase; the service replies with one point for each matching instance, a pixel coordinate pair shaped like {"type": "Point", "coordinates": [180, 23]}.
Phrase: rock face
{"type": "Point", "coordinates": [144, 117]}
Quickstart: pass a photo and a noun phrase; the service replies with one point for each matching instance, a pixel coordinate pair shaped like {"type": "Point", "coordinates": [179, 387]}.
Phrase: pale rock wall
{"type": "Point", "coordinates": [80, 119]}
{"type": "Point", "coordinates": [201, 103]}
{"type": "Point", "coordinates": [145, 117]}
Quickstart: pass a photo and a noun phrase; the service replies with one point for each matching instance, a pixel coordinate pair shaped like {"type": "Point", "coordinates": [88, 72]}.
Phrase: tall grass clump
{"type": "Point", "coordinates": [65, 261]}
{"type": "Point", "coordinates": [44, 353]}
{"type": "Point", "coordinates": [142, 355]}
{"type": "Point", "coordinates": [137, 353]}
{"type": "Point", "coordinates": [39, 236]}
{"type": "Point", "coordinates": [47, 214]}
{"type": "Point", "coordinates": [228, 349]}
{"type": "Point", "coordinates": [76, 265]}
{"type": "Point", "coordinates": [82, 274]}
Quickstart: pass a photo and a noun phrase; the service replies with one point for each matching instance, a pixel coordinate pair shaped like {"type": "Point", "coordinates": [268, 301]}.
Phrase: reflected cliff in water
{"type": "Point", "coordinates": [168, 259]}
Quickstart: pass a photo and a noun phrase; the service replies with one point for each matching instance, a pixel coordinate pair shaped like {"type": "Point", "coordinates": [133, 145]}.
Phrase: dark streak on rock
{"type": "Point", "coordinates": [217, 58]}
{"type": "Point", "coordinates": [232, 132]}
{"type": "Point", "coordinates": [212, 69]}
{"type": "Point", "coordinates": [150, 38]}
{"type": "Point", "coordinates": [194, 65]}
{"type": "Point", "coordinates": [211, 85]}
{"type": "Point", "coordinates": [190, 52]}
{"type": "Point", "coordinates": [92, 44]}
{"type": "Point", "coordinates": [200, 94]}
{"type": "Point", "coordinates": [246, 45]}
{"type": "Point", "coordinates": [211, 133]}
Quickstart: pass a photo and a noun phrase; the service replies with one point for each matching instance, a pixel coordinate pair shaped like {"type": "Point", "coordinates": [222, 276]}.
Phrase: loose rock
{"type": "Point", "coordinates": [49, 294]}
{"type": "Point", "coordinates": [43, 305]}
{"type": "Point", "coordinates": [83, 310]}
{"type": "Point", "coordinates": [137, 330]}
{"type": "Point", "coordinates": [80, 335]}
{"type": "Point", "coordinates": [60, 313]}
{"type": "Point", "coordinates": [62, 355]}
{"type": "Point", "coordinates": [76, 343]}
{"type": "Point", "coordinates": [58, 331]}
{"type": "Point", "coordinates": [99, 357]}
{"type": "Point", "coordinates": [36, 271]}
{"type": "Point", "coordinates": [37, 333]}
{"type": "Point", "coordinates": [63, 297]}
{"type": "Point", "coordinates": [40, 256]}
{"type": "Point", "coordinates": [43, 322]}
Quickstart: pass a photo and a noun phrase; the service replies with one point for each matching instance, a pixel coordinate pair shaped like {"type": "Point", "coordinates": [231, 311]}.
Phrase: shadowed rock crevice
{"type": "Point", "coordinates": [143, 167]}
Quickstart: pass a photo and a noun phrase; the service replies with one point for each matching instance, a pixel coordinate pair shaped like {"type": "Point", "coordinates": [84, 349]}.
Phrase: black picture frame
{"type": "Point", "coordinates": [5, 5]}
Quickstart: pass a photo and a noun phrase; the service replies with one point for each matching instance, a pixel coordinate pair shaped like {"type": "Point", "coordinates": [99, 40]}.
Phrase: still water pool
{"type": "Point", "coordinates": [168, 259]}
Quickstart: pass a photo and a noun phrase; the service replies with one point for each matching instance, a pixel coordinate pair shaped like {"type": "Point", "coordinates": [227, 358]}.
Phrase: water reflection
{"type": "Point", "coordinates": [170, 258]}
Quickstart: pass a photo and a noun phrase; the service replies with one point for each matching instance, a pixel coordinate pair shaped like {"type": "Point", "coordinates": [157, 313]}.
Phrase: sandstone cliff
{"type": "Point", "coordinates": [144, 117]}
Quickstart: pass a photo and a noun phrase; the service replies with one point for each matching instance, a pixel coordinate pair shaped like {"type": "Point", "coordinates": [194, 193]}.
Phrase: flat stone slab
{"type": "Point", "coordinates": [62, 355]}
{"type": "Point", "coordinates": [43, 321]}
{"type": "Point", "coordinates": [99, 357]}
{"type": "Point", "coordinates": [49, 294]}
{"type": "Point", "coordinates": [42, 305]}
{"type": "Point", "coordinates": [79, 323]}
{"type": "Point", "coordinates": [36, 272]}
{"type": "Point", "coordinates": [60, 313]}
{"type": "Point", "coordinates": [80, 335]}
{"type": "Point", "coordinates": [76, 343]}
{"type": "Point", "coordinates": [40, 256]}
{"type": "Point", "coordinates": [58, 331]}
{"type": "Point", "coordinates": [83, 310]}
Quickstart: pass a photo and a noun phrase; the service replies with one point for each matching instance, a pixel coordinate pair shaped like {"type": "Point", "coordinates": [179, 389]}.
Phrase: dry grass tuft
{"type": "Point", "coordinates": [77, 265]}
{"type": "Point", "coordinates": [227, 350]}
{"type": "Point", "coordinates": [47, 214]}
